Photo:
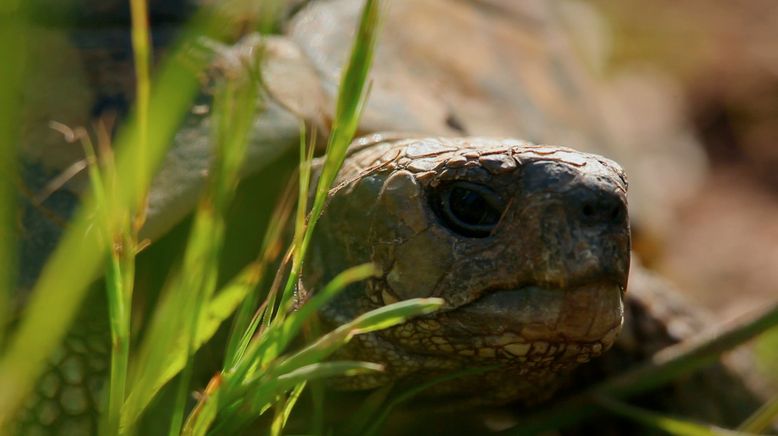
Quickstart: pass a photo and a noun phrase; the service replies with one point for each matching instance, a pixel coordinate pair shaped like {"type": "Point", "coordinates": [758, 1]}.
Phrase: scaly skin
{"type": "Point", "coordinates": [69, 396]}
{"type": "Point", "coordinates": [536, 294]}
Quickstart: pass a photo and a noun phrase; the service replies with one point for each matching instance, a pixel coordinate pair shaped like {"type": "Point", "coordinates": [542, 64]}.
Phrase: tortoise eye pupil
{"type": "Point", "coordinates": [468, 209]}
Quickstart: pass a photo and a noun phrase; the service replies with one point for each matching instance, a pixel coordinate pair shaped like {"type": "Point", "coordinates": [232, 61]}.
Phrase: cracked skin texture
{"type": "Point", "coordinates": [528, 245]}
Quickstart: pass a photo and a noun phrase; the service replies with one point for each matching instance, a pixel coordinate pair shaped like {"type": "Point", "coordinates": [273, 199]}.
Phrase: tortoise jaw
{"type": "Point", "coordinates": [585, 313]}
{"type": "Point", "coordinates": [531, 328]}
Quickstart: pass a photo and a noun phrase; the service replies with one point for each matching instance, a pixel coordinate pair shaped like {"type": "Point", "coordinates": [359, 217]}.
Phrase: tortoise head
{"type": "Point", "coordinates": [528, 245]}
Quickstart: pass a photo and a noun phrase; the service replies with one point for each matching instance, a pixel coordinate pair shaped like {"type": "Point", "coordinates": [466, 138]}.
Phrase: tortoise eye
{"type": "Point", "coordinates": [468, 209]}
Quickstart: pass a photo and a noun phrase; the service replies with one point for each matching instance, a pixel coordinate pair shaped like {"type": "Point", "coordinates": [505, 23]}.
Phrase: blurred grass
{"type": "Point", "coordinates": [119, 238]}
{"type": "Point", "coordinates": [371, 418]}
{"type": "Point", "coordinates": [64, 280]}
{"type": "Point", "coordinates": [665, 424]}
{"type": "Point", "coordinates": [766, 350]}
{"type": "Point", "coordinates": [120, 272]}
{"type": "Point", "coordinates": [761, 420]}
{"type": "Point", "coordinates": [13, 40]}
{"type": "Point", "coordinates": [352, 95]}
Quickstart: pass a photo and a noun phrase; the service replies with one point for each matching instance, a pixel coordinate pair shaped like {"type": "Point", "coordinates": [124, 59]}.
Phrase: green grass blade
{"type": "Point", "coordinates": [369, 413]}
{"type": "Point", "coordinates": [246, 361]}
{"type": "Point", "coordinates": [120, 274]}
{"type": "Point", "coordinates": [688, 356]}
{"type": "Point", "coordinates": [303, 184]}
{"type": "Point", "coordinates": [118, 238]}
{"type": "Point", "coordinates": [13, 41]}
{"type": "Point", "coordinates": [268, 346]}
{"type": "Point", "coordinates": [225, 301]}
{"type": "Point", "coordinates": [316, 389]}
{"type": "Point", "coordinates": [263, 393]}
{"type": "Point", "coordinates": [326, 370]}
{"type": "Point", "coordinates": [370, 420]}
{"type": "Point", "coordinates": [300, 224]}
{"type": "Point", "coordinates": [141, 48]}
{"type": "Point", "coordinates": [27, 350]}
{"type": "Point", "coordinates": [119, 282]}
{"type": "Point", "coordinates": [206, 410]}
{"type": "Point", "coordinates": [667, 424]}
{"type": "Point", "coordinates": [762, 419]}
{"type": "Point", "coordinates": [351, 98]}
{"type": "Point", "coordinates": [294, 322]}
{"type": "Point", "coordinates": [394, 314]}
{"type": "Point", "coordinates": [381, 318]}
{"type": "Point", "coordinates": [234, 110]}
{"type": "Point", "coordinates": [283, 412]}
{"type": "Point", "coordinates": [176, 322]}
{"type": "Point", "coordinates": [261, 389]}
{"type": "Point", "coordinates": [189, 294]}
{"type": "Point", "coordinates": [244, 326]}
{"type": "Point", "coordinates": [766, 352]}
{"type": "Point", "coordinates": [221, 306]}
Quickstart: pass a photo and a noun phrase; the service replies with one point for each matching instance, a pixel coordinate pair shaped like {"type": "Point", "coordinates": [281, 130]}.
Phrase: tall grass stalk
{"type": "Point", "coordinates": [248, 317]}
{"type": "Point", "coordinates": [174, 332]}
{"type": "Point", "coordinates": [123, 240]}
{"type": "Point", "coordinates": [120, 278]}
{"type": "Point", "coordinates": [141, 48]}
{"type": "Point", "coordinates": [245, 326]}
{"type": "Point", "coordinates": [117, 239]}
{"type": "Point", "coordinates": [13, 40]}
{"type": "Point", "coordinates": [761, 420]}
{"type": "Point", "coordinates": [350, 101]}
{"type": "Point", "coordinates": [284, 410]}
{"type": "Point", "coordinates": [666, 424]}
{"type": "Point", "coordinates": [234, 109]}
{"type": "Point", "coordinates": [352, 95]}
{"type": "Point", "coordinates": [250, 360]}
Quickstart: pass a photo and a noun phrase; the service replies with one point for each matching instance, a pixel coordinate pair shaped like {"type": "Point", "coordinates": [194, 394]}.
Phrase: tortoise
{"type": "Point", "coordinates": [423, 191]}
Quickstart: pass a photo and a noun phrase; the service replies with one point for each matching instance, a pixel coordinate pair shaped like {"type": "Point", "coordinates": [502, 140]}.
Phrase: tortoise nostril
{"type": "Point", "coordinates": [616, 213]}
{"type": "Point", "coordinates": [602, 209]}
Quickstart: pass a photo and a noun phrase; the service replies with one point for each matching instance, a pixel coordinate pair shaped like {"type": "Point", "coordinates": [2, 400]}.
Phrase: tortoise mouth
{"type": "Point", "coordinates": [530, 325]}
{"type": "Point", "coordinates": [586, 312]}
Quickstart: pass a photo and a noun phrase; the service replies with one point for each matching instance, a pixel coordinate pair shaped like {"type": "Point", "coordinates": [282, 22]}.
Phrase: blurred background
{"type": "Point", "coordinates": [723, 56]}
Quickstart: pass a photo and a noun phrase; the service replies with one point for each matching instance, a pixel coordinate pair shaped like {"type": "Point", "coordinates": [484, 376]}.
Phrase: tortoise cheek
{"type": "Point", "coordinates": [402, 198]}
